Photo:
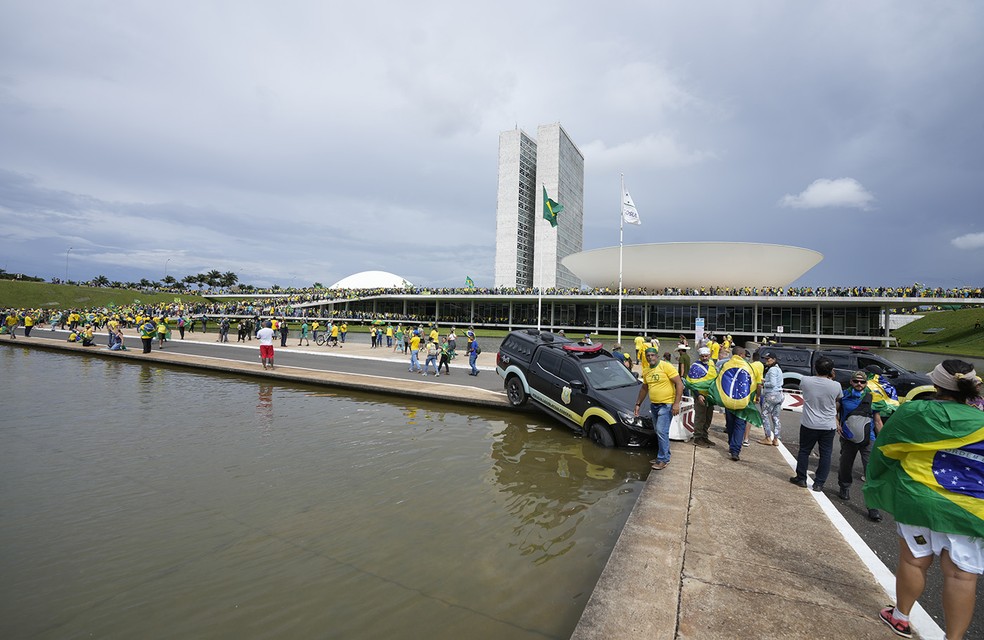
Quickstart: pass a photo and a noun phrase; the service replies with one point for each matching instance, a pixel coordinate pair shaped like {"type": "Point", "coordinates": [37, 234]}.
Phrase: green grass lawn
{"type": "Point", "coordinates": [957, 336]}
{"type": "Point", "coordinates": [42, 295]}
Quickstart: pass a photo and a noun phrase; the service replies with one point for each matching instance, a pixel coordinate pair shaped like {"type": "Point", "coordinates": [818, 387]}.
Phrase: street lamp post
{"type": "Point", "coordinates": [66, 263]}
{"type": "Point", "coordinates": [165, 268]}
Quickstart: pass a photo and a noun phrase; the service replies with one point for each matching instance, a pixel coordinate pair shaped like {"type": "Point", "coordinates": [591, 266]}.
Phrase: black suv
{"type": "Point", "coordinates": [797, 362]}
{"type": "Point", "coordinates": [584, 387]}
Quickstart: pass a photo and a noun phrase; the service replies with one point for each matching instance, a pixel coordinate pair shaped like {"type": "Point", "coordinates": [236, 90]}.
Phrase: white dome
{"type": "Point", "coordinates": [693, 265]}
{"type": "Point", "coordinates": [372, 280]}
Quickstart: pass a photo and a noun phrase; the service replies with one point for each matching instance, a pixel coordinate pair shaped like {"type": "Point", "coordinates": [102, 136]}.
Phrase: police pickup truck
{"type": "Point", "coordinates": [582, 386]}
{"type": "Point", "coordinates": [797, 362]}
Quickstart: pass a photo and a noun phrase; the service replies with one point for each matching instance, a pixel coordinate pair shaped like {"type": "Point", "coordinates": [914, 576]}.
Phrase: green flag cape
{"type": "Point", "coordinates": [927, 467]}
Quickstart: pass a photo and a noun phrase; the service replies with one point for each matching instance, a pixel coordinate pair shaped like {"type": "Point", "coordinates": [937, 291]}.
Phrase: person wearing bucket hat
{"type": "Point", "coordinates": [665, 389]}
{"type": "Point", "coordinates": [683, 359]}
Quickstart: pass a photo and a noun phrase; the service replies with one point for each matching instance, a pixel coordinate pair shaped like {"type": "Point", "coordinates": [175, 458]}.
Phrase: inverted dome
{"type": "Point", "coordinates": [371, 280]}
{"type": "Point", "coordinates": [693, 265]}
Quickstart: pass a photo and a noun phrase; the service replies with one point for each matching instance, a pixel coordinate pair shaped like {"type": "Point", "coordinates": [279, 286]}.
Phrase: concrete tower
{"type": "Point", "coordinates": [528, 250]}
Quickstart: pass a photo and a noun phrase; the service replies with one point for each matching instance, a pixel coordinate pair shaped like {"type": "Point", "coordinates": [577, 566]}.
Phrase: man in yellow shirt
{"type": "Point", "coordinates": [665, 389]}
{"type": "Point", "coordinates": [415, 353]}
{"type": "Point", "coordinates": [640, 348]}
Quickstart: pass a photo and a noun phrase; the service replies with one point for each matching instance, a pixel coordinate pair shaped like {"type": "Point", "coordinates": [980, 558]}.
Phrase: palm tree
{"type": "Point", "coordinates": [170, 281]}
{"type": "Point", "coordinates": [213, 278]}
{"type": "Point", "coordinates": [101, 281]}
{"type": "Point", "coordinates": [228, 279]}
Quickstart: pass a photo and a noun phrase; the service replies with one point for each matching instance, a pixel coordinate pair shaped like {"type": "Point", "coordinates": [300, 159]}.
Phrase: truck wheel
{"type": "Point", "coordinates": [601, 435]}
{"type": "Point", "coordinates": [515, 392]}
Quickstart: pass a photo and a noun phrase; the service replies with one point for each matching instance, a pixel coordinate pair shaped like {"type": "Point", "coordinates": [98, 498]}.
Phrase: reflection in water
{"type": "Point", "coordinates": [550, 481]}
{"type": "Point", "coordinates": [264, 405]}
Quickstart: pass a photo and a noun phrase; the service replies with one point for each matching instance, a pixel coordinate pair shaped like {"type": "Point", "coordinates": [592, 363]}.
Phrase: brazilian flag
{"type": "Point", "coordinates": [703, 379]}
{"type": "Point", "coordinates": [701, 372]}
{"type": "Point", "coordinates": [550, 209]}
{"type": "Point", "coordinates": [884, 397]}
{"type": "Point", "coordinates": [469, 282]}
{"type": "Point", "coordinates": [927, 467]}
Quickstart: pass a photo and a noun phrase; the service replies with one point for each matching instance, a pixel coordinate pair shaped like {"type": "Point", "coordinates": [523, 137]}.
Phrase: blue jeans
{"type": "Point", "coordinates": [431, 360]}
{"type": "Point", "coordinates": [662, 416]}
{"type": "Point", "coordinates": [771, 410]}
{"type": "Point", "coordinates": [808, 439]}
{"type": "Point", "coordinates": [472, 357]}
{"type": "Point", "coordinates": [414, 362]}
{"type": "Point", "coordinates": [735, 428]}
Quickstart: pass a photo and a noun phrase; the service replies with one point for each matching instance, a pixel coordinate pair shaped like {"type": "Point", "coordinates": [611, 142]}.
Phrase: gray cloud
{"type": "Point", "coordinates": [302, 145]}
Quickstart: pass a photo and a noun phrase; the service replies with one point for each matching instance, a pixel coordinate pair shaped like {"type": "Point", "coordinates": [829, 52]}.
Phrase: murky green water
{"type": "Point", "coordinates": [144, 502]}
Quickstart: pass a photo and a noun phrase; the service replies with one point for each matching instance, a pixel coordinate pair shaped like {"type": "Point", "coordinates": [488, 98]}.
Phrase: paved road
{"type": "Point", "coordinates": [359, 358]}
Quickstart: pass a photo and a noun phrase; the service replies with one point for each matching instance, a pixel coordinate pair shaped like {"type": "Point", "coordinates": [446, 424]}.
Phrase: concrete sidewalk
{"type": "Point", "coordinates": [713, 548]}
{"type": "Point", "coordinates": [722, 549]}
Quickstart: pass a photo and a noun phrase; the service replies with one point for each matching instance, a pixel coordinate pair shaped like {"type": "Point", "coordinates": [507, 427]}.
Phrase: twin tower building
{"type": "Point", "coordinates": [528, 250]}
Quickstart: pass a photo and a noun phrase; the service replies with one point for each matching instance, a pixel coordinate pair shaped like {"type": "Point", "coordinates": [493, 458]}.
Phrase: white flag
{"type": "Point", "coordinates": [629, 212]}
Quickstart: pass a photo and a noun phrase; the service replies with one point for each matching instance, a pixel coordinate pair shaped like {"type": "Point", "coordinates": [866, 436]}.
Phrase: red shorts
{"type": "Point", "coordinates": [266, 350]}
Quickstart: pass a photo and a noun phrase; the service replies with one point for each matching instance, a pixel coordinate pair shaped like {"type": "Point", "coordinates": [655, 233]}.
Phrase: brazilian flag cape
{"type": "Point", "coordinates": [702, 378]}
{"type": "Point", "coordinates": [927, 467]}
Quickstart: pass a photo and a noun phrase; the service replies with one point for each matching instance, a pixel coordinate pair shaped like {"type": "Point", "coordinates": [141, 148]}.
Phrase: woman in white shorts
{"type": "Point", "coordinates": [925, 470]}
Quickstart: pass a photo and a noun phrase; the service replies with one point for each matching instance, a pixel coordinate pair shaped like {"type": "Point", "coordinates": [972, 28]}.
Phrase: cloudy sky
{"type": "Point", "coordinates": [301, 141]}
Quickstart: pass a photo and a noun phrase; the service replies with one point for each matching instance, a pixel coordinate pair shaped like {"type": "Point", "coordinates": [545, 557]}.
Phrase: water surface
{"type": "Point", "coordinates": [141, 501]}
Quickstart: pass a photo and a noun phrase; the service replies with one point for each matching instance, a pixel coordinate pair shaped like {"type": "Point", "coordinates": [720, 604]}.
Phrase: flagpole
{"type": "Point", "coordinates": [539, 292]}
{"type": "Point", "coordinates": [539, 284]}
{"type": "Point", "coordinates": [621, 225]}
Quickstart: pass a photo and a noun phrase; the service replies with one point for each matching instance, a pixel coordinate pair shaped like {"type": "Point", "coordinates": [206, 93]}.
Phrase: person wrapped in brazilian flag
{"type": "Point", "coordinates": [731, 387]}
{"type": "Point", "coordinates": [927, 470]}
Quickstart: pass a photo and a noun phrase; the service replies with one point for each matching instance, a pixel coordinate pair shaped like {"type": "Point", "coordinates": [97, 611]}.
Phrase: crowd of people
{"type": "Point", "coordinates": [300, 295]}
{"type": "Point", "coordinates": [922, 461]}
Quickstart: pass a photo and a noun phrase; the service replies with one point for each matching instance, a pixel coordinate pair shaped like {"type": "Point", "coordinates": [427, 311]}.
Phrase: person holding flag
{"type": "Point", "coordinates": [700, 380]}
{"type": "Point", "coordinates": [926, 469]}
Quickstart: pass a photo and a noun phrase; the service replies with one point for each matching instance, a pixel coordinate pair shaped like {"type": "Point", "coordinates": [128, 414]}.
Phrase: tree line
{"type": "Point", "coordinates": [213, 279]}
